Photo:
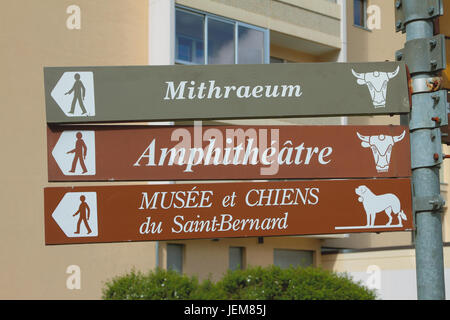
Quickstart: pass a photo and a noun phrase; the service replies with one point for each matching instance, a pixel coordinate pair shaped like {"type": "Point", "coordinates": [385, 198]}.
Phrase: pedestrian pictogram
{"type": "Point", "coordinates": [79, 93]}
{"type": "Point", "coordinates": [74, 94]}
{"type": "Point", "coordinates": [76, 214]}
{"type": "Point", "coordinates": [80, 152]}
{"type": "Point", "coordinates": [83, 213]}
{"type": "Point", "coordinates": [75, 153]}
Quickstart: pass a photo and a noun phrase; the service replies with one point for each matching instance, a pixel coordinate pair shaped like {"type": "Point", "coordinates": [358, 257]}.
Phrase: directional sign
{"type": "Point", "coordinates": [226, 152]}
{"type": "Point", "coordinates": [154, 93]}
{"type": "Point", "coordinates": [220, 210]}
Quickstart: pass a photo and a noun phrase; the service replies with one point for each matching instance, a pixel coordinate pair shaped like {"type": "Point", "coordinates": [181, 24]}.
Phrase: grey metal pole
{"type": "Point", "coordinates": [426, 185]}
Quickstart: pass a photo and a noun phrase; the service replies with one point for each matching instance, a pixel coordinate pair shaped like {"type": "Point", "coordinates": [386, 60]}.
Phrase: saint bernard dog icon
{"type": "Point", "coordinates": [373, 204]}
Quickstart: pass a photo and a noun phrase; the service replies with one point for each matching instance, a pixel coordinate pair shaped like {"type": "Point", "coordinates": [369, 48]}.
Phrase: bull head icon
{"type": "Point", "coordinates": [381, 146]}
{"type": "Point", "coordinates": [377, 83]}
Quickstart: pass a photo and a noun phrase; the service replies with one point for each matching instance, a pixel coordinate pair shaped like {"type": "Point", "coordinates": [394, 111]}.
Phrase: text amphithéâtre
{"type": "Point", "coordinates": [244, 154]}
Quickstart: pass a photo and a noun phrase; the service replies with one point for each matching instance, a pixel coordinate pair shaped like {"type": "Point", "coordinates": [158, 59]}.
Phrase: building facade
{"type": "Point", "coordinates": [163, 32]}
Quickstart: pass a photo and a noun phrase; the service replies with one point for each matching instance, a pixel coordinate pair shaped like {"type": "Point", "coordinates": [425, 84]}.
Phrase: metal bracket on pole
{"type": "Point", "coordinates": [431, 203]}
{"type": "Point", "coordinates": [426, 84]}
{"type": "Point", "coordinates": [424, 55]}
{"type": "Point", "coordinates": [422, 9]}
{"type": "Point", "coordinates": [429, 110]}
{"type": "Point", "coordinates": [429, 153]}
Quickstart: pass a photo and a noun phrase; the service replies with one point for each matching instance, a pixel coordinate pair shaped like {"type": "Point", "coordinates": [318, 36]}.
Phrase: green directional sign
{"type": "Point", "coordinates": [158, 93]}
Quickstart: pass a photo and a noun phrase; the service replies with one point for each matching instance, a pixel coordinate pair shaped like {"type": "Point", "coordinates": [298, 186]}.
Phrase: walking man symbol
{"type": "Point", "coordinates": [84, 211]}
{"type": "Point", "coordinates": [79, 92]}
{"type": "Point", "coordinates": [80, 152]}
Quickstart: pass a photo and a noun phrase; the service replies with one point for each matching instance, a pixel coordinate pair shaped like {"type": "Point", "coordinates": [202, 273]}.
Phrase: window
{"type": "Point", "coordinates": [175, 257]}
{"type": "Point", "coordinates": [189, 44]}
{"type": "Point", "coordinates": [287, 257]}
{"type": "Point", "coordinates": [221, 42]}
{"type": "Point", "coordinates": [359, 13]}
{"type": "Point", "coordinates": [236, 258]}
{"type": "Point", "coordinates": [203, 38]}
{"type": "Point", "coordinates": [250, 45]}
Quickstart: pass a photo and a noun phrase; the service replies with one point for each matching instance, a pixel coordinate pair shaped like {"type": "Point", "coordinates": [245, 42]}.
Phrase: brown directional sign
{"type": "Point", "coordinates": [220, 210]}
{"type": "Point", "coordinates": [226, 152]}
{"type": "Point", "coordinates": [154, 93]}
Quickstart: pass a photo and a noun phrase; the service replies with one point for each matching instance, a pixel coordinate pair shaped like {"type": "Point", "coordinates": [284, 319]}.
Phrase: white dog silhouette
{"type": "Point", "coordinates": [373, 204]}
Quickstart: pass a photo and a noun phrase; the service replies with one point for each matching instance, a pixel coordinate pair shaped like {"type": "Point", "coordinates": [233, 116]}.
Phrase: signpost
{"type": "Point", "coordinates": [220, 210]}
{"type": "Point", "coordinates": [111, 153]}
{"type": "Point", "coordinates": [425, 54]}
{"type": "Point", "coordinates": [89, 214]}
{"type": "Point", "coordinates": [155, 93]}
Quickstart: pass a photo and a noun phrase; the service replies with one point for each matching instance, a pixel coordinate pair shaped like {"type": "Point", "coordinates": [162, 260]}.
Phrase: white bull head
{"type": "Point", "coordinates": [377, 83]}
{"type": "Point", "coordinates": [381, 146]}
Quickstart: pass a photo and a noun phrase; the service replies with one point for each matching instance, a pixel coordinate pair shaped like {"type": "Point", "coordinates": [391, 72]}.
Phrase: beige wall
{"type": "Point", "coordinates": [374, 45]}
{"type": "Point", "coordinates": [34, 35]}
{"type": "Point", "coordinates": [377, 44]}
{"type": "Point", "coordinates": [391, 272]}
{"type": "Point", "coordinates": [291, 55]}
{"type": "Point", "coordinates": [208, 258]}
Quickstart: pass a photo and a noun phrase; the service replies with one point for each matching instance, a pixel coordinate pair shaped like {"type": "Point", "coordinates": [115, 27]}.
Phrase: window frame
{"type": "Point", "coordinates": [179, 61]}
{"type": "Point", "coordinates": [206, 16]}
{"type": "Point", "coordinates": [241, 265]}
{"type": "Point", "coordinates": [364, 18]}
{"type": "Point", "coordinates": [181, 248]}
{"type": "Point", "coordinates": [278, 251]}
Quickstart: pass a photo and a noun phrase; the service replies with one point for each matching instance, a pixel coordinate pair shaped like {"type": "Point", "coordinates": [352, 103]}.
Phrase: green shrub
{"type": "Point", "coordinates": [155, 285]}
{"type": "Point", "coordinates": [255, 283]}
{"type": "Point", "coordinates": [274, 283]}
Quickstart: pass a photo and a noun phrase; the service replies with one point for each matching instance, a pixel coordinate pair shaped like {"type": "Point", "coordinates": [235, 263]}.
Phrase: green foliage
{"type": "Point", "coordinates": [255, 283]}
{"type": "Point", "coordinates": [156, 285]}
{"type": "Point", "coordinates": [274, 283]}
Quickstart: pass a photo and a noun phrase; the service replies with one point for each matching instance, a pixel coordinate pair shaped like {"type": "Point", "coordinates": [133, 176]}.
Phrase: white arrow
{"type": "Point", "coordinates": [74, 92]}
{"type": "Point", "coordinates": [75, 152]}
{"type": "Point", "coordinates": [77, 211]}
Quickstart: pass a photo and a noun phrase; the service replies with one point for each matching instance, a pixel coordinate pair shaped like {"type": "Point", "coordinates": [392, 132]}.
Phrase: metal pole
{"type": "Point", "coordinates": [426, 185]}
